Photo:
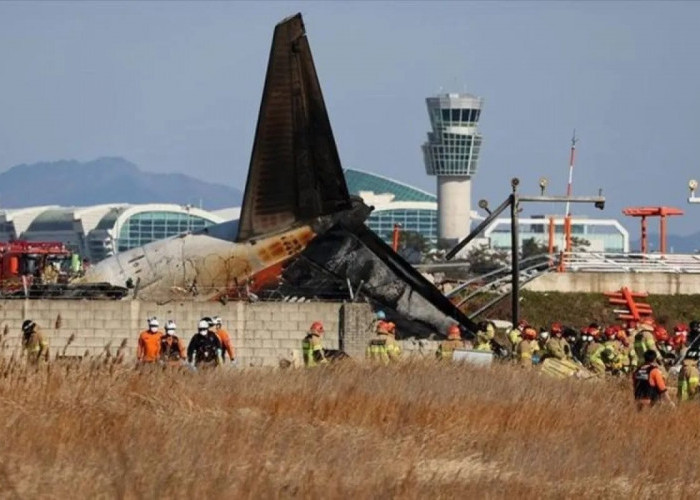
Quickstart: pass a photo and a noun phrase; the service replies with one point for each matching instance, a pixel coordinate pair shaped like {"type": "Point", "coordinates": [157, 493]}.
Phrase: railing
{"type": "Point", "coordinates": [631, 263]}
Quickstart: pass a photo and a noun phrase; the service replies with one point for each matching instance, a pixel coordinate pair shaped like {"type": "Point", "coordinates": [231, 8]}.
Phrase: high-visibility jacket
{"type": "Point", "coordinates": [35, 346]}
{"type": "Point", "coordinates": [515, 336]}
{"type": "Point", "coordinates": [148, 349]}
{"type": "Point", "coordinates": [384, 348]}
{"type": "Point", "coordinates": [524, 353]}
{"type": "Point", "coordinates": [447, 348]}
{"type": "Point", "coordinates": [644, 341]}
{"type": "Point", "coordinates": [484, 337]}
{"type": "Point", "coordinates": [557, 348]}
{"type": "Point", "coordinates": [688, 380]}
{"type": "Point", "coordinates": [594, 357]}
{"type": "Point", "coordinates": [612, 355]}
{"type": "Point", "coordinates": [312, 350]}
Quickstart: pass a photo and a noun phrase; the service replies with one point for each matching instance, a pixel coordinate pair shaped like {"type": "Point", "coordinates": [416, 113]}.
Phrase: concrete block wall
{"type": "Point", "coordinates": [357, 327]}
{"type": "Point", "coordinates": [653, 283]}
{"type": "Point", "coordinates": [262, 333]}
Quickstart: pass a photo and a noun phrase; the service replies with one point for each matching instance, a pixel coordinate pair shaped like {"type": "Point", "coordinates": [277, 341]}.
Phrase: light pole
{"type": "Point", "coordinates": [693, 185]}
{"type": "Point", "coordinates": [513, 201]}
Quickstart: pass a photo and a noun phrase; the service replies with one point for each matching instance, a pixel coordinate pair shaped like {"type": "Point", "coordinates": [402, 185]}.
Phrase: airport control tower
{"type": "Point", "coordinates": [452, 153]}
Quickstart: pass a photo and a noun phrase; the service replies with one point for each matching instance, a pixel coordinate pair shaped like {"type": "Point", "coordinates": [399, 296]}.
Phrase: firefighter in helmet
{"type": "Point", "coordinates": [312, 347]}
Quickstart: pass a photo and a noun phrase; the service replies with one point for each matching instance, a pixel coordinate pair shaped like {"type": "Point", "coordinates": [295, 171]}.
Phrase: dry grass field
{"type": "Point", "coordinates": [419, 430]}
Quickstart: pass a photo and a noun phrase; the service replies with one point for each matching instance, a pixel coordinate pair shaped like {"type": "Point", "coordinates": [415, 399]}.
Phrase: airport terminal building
{"type": "Point", "coordinates": [100, 231]}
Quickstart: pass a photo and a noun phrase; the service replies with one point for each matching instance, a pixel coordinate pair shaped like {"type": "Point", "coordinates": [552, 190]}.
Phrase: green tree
{"type": "Point", "coordinates": [531, 247]}
{"type": "Point", "coordinates": [483, 259]}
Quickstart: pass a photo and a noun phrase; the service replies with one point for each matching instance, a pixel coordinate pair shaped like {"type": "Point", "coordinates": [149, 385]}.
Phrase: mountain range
{"type": "Point", "coordinates": [674, 243]}
{"type": "Point", "coordinates": [106, 180]}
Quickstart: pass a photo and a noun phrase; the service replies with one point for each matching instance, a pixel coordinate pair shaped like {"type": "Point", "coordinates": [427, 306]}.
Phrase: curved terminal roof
{"type": "Point", "coordinates": [53, 219]}
{"type": "Point", "coordinates": [359, 181]}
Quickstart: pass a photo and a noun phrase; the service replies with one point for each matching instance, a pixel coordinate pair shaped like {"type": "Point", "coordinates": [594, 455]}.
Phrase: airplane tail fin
{"type": "Point", "coordinates": [295, 173]}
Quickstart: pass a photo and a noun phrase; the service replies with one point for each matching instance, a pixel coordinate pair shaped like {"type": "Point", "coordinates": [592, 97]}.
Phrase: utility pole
{"type": "Point", "coordinates": [514, 254]}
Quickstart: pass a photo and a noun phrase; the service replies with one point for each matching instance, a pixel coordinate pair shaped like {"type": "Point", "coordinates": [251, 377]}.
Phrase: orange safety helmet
{"type": "Point", "coordinates": [529, 333]}
{"type": "Point", "coordinates": [453, 332]}
{"type": "Point", "coordinates": [391, 328]}
{"type": "Point", "coordinates": [556, 328]}
{"type": "Point", "coordinates": [680, 328]}
{"type": "Point", "coordinates": [679, 340]}
{"type": "Point", "coordinates": [316, 327]}
{"type": "Point", "coordinates": [611, 332]}
{"type": "Point", "coordinates": [660, 334]}
{"type": "Point", "coordinates": [382, 326]}
{"type": "Point", "coordinates": [593, 330]}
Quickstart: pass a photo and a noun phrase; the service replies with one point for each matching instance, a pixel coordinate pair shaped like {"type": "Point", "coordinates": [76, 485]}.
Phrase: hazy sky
{"type": "Point", "coordinates": [177, 86]}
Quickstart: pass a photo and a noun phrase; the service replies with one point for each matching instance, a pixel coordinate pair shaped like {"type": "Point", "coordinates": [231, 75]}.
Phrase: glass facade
{"type": "Point", "coordinates": [145, 227]}
{"type": "Point", "coordinates": [602, 238]}
{"type": "Point", "coordinates": [359, 181]}
{"type": "Point", "coordinates": [418, 220]}
{"type": "Point", "coordinates": [416, 210]}
{"type": "Point", "coordinates": [454, 144]}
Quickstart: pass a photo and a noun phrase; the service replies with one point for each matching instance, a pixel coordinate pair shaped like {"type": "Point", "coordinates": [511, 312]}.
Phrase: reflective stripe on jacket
{"type": "Point", "coordinates": [312, 349]}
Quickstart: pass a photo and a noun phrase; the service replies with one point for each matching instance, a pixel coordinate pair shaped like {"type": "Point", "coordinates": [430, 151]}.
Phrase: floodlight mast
{"type": "Point", "coordinates": [513, 201]}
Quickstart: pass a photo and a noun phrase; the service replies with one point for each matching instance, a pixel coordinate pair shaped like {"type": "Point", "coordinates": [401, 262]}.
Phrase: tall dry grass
{"type": "Point", "coordinates": [419, 430]}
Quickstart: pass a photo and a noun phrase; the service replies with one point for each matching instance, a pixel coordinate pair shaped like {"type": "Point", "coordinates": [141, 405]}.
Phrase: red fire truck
{"type": "Point", "coordinates": [25, 262]}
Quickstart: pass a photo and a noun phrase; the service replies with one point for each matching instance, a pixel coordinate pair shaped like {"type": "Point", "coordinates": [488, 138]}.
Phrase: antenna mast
{"type": "Point", "coordinates": [572, 159]}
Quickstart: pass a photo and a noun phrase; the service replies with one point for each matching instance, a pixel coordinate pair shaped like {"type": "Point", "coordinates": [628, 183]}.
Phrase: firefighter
{"type": "Point", "coordinates": [644, 339]}
{"type": "Point", "coordinates": [663, 344]}
{"type": "Point", "coordinates": [526, 348]}
{"type": "Point", "coordinates": [516, 335]}
{"type": "Point", "coordinates": [557, 346]}
{"type": "Point", "coordinates": [542, 339]}
{"type": "Point", "coordinates": [612, 354]}
{"type": "Point", "coordinates": [312, 348]}
{"type": "Point", "coordinates": [628, 357]}
{"type": "Point", "coordinates": [679, 341]}
{"type": "Point", "coordinates": [34, 344]}
{"type": "Point", "coordinates": [484, 335]}
{"type": "Point", "coordinates": [688, 378]}
{"type": "Point", "coordinates": [384, 348]}
{"type": "Point", "coordinates": [454, 341]}
{"type": "Point", "coordinates": [225, 340]}
{"type": "Point", "coordinates": [575, 341]}
{"type": "Point", "coordinates": [594, 351]}
{"type": "Point", "coordinates": [148, 349]}
{"type": "Point", "coordinates": [172, 349]}
{"type": "Point", "coordinates": [649, 383]}
{"type": "Point", "coordinates": [204, 349]}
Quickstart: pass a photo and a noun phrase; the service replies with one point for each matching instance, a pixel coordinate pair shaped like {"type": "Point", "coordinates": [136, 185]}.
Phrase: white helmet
{"type": "Point", "coordinates": [203, 326]}
{"type": "Point", "coordinates": [153, 321]}
{"type": "Point", "coordinates": [217, 321]}
{"type": "Point", "coordinates": [170, 326]}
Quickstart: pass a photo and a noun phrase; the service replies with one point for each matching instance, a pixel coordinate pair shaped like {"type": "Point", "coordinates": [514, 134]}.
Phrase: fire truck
{"type": "Point", "coordinates": [46, 270]}
{"type": "Point", "coordinates": [24, 263]}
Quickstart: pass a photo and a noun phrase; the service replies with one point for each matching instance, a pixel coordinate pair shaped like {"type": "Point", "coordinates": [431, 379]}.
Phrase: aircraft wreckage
{"type": "Point", "coordinates": [298, 225]}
